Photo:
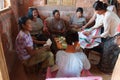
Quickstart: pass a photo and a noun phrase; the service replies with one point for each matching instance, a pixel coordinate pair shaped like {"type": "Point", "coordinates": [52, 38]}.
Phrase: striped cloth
{"type": "Point", "coordinates": [87, 41]}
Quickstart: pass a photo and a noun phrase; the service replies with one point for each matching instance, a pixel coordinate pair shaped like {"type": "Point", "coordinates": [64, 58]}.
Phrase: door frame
{"type": "Point", "coordinates": [3, 67]}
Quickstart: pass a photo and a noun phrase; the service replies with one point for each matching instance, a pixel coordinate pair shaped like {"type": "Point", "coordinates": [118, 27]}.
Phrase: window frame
{"type": "Point", "coordinates": [60, 3]}
{"type": "Point", "coordinates": [6, 5]}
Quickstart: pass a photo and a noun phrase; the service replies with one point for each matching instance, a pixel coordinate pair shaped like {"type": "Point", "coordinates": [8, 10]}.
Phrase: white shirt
{"type": "Point", "coordinates": [99, 21]}
{"type": "Point", "coordinates": [110, 24]}
{"type": "Point", "coordinates": [71, 64]}
{"type": "Point", "coordinates": [99, 18]}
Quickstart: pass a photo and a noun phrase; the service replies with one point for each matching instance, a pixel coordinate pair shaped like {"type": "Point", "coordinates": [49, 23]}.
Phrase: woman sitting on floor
{"type": "Point", "coordinates": [77, 20]}
{"type": "Point", "coordinates": [55, 25]}
{"type": "Point", "coordinates": [38, 36]}
{"type": "Point", "coordinates": [24, 47]}
{"type": "Point", "coordinates": [70, 61]}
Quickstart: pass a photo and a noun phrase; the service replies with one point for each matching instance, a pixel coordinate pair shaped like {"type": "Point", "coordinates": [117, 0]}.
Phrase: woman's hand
{"type": "Point", "coordinates": [76, 26]}
{"type": "Point", "coordinates": [94, 37]}
{"type": "Point", "coordinates": [80, 29]}
{"type": "Point", "coordinates": [34, 38]}
{"type": "Point", "coordinates": [63, 31]}
{"type": "Point", "coordinates": [87, 33]}
{"type": "Point", "coordinates": [83, 27]}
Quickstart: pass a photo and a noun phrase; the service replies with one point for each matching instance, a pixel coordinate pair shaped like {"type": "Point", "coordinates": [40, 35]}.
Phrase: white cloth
{"type": "Point", "coordinates": [48, 43]}
{"type": "Point", "coordinates": [71, 64]}
{"type": "Point", "coordinates": [98, 21]}
{"type": "Point", "coordinates": [110, 24]}
{"type": "Point", "coordinates": [87, 41]}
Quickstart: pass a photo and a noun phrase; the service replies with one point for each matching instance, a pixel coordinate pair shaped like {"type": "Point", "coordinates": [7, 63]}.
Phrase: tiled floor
{"type": "Point", "coordinates": [19, 74]}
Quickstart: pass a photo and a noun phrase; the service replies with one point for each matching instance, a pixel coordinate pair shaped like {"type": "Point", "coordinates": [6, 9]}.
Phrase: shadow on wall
{"type": "Point", "coordinates": [14, 28]}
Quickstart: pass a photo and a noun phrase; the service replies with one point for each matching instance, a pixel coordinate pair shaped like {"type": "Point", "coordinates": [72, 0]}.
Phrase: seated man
{"type": "Point", "coordinates": [55, 25]}
{"type": "Point", "coordinates": [24, 47]}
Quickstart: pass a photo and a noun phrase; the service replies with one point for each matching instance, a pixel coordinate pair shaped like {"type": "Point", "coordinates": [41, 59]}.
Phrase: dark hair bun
{"type": "Point", "coordinates": [79, 9]}
{"type": "Point", "coordinates": [71, 36]}
{"type": "Point", "coordinates": [54, 11]}
{"type": "Point", "coordinates": [22, 20]}
{"type": "Point", "coordinates": [105, 5]}
{"type": "Point", "coordinates": [98, 5]}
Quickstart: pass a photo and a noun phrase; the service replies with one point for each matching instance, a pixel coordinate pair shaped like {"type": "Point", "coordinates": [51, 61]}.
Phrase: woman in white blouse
{"type": "Point", "coordinates": [110, 20]}
{"type": "Point", "coordinates": [110, 49]}
{"type": "Point", "coordinates": [96, 17]}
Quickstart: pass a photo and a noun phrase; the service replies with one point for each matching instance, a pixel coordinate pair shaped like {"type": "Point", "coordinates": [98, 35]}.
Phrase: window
{"type": "Point", "coordinates": [4, 4]}
{"type": "Point", "coordinates": [61, 2]}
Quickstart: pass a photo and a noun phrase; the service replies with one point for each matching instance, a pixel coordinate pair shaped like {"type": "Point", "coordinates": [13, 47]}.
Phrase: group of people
{"type": "Point", "coordinates": [72, 60]}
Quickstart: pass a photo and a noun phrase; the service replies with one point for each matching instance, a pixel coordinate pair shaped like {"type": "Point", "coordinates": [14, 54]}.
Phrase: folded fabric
{"type": "Point", "coordinates": [87, 41]}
